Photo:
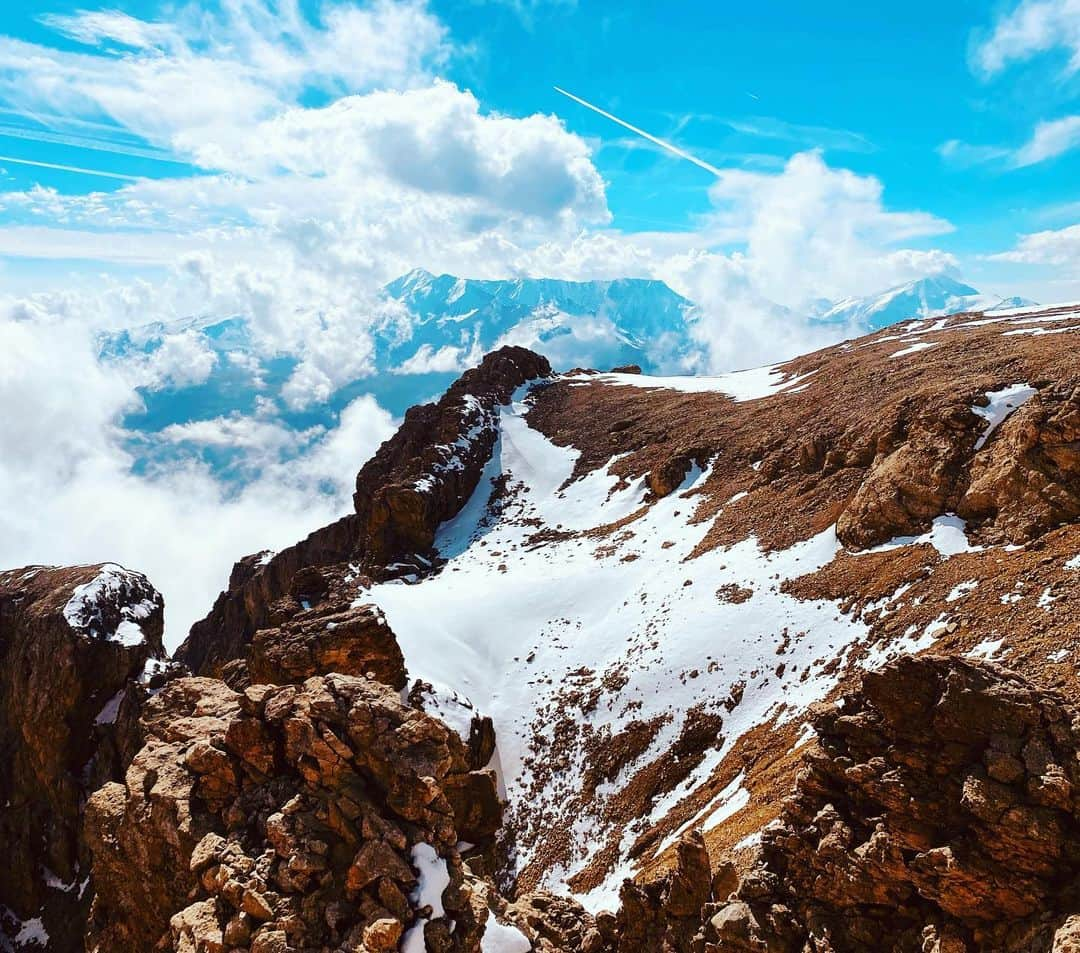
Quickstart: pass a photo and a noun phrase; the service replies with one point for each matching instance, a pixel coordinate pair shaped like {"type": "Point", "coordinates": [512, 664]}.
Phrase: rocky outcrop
{"type": "Point", "coordinates": [1023, 483]}
{"type": "Point", "coordinates": [71, 642]}
{"type": "Point", "coordinates": [915, 476]}
{"type": "Point", "coordinates": [1027, 481]}
{"type": "Point", "coordinates": [318, 816]}
{"type": "Point", "coordinates": [350, 641]}
{"type": "Point", "coordinates": [937, 813]}
{"type": "Point", "coordinates": [664, 913]}
{"type": "Point", "coordinates": [417, 479]}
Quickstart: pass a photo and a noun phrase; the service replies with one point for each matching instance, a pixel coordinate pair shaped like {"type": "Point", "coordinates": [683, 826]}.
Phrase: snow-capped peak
{"type": "Point", "coordinates": [933, 296]}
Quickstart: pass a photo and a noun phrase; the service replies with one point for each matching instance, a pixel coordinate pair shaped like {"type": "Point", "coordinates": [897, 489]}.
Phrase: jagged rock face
{"type": "Point", "coordinates": [418, 479]}
{"type": "Point", "coordinates": [350, 641]}
{"type": "Point", "coordinates": [937, 813]}
{"type": "Point", "coordinates": [299, 817]}
{"type": "Point", "coordinates": [907, 486]}
{"type": "Point", "coordinates": [429, 469]}
{"type": "Point", "coordinates": [70, 642]}
{"type": "Point", "coordinates": [1028, 481]}
{"type": "Point", "coordinates": [1023, 484]}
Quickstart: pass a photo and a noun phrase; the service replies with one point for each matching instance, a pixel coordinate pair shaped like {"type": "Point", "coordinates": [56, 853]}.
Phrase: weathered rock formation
{"type": "Point", "coordinates": [297, 817]}
{"type": "Point", "coordinates": [420, 477]}
{"type": "Point", "coordinates": [71, 642]}
{"type": "Point", "coordinates": [1027, 481]}
{"type": "Point", "coordinates": [938, 812]}
{"type": "Point", "coordinates": [349, 641]}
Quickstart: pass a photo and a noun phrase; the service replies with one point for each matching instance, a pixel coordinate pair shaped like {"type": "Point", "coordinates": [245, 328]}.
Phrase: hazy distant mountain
{"type": "Point", "coordinates": [922, 298]}
{"type": "Point", "coordinates": [450, 324]}
{"type": "Point", "coordinates": [574, 323]}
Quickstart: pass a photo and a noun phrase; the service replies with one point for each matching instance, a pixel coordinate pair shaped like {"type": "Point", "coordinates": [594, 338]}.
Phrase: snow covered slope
{"type": "Point", "coordinates": [572, 642]}
{"type": "Point", "coordinates": [644, 581]}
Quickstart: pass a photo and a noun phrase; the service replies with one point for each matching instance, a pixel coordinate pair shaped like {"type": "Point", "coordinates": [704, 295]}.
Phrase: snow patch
{"type": "Point", "coordinates": [432, 879]}
{"type": "Point", "coordinates": [948, 535]}
{"type": "Point", "coordinates": [107, 715]}
{"type": "Point", "coordinates": [32, 931]}
{"type": "Point", "coordinates": [752, 384]}
{"type": "Point", "coordinates": [1002, 404]}
{"type": "Point", "coordinates": [501, 938]}
{"type": "Point", "coordinates": [914, 348]}
{"type": "Point", "coordinates": [987, 649]}
{"type": "Point", "coordinates": [962, 590]}
{"type": "Point", "coordinates": [83, 611]}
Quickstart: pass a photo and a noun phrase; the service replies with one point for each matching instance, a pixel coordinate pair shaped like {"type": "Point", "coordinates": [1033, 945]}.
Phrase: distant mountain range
{"type": "Point", "coordinates": [451, 323]}
{"type": "Point", "coordinates": [923, 298]}
{"type": "Point", "coordinates": [584, 323]}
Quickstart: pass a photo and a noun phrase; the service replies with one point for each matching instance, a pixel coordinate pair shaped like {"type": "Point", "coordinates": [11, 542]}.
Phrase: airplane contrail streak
{"type": "Point", "coordinates": [85, 142]}
{"type": "Point", "coordinates": [674, 150]}
{"type": "Point", "coordinates": [71, 168]}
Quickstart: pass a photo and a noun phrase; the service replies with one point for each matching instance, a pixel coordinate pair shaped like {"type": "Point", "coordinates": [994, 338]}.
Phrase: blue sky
{"type": "Point", "coordinates": [881, 90]}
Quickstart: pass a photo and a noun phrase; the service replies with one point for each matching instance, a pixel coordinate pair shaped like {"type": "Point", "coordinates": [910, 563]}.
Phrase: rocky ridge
{"type": "Point", "coordinates": [74, 644]}
{"type": "Point", "coordinates": [334, 777]}
{"type": "Point", "coordinates": [418, 479]}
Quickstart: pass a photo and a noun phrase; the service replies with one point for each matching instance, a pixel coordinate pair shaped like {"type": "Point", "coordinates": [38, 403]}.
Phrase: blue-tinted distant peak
{"type": "Point", "coordinates": [933, 296]}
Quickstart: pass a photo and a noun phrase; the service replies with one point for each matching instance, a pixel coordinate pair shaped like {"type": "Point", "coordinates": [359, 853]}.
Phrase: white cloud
{"type": "Point", "coordinates": [181, 360]}
{"type": "Point", "coordinates": [814, 230]}
{"type": "Point", "coordinates": [72, 497]}
{"type": "Point", "coordinates": [1031, 28]}
{"type": "Point", "coordinates": [965, 154]}
{"type": "Point", "coordinates": [205, 73]}
{"type": "Point", "coordinates": [446, 359]}
{"type": "Point", "coordinates": [1052, 247]}
{"type": "Point", "coordinates": [823, 137]}
{"type": "Point", "coordinates": [1049, 140]}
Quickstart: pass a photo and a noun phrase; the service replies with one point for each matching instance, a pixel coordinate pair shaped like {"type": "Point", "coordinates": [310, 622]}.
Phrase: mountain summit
{"type": "Point", "coordinates": [923, 298]}
{"type": "Point", "coordinates": [575, 323]}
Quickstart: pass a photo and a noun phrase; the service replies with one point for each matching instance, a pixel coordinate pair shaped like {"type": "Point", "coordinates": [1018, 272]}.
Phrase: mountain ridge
{"type": "Point", "coordinates": [631, 615]}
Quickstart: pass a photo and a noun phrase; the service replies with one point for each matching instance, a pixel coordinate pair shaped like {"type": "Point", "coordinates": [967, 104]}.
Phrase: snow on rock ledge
{"type": "Point", "coordinates": [113, 606]}
{"type": "Point", "coordinates": [72, 642]}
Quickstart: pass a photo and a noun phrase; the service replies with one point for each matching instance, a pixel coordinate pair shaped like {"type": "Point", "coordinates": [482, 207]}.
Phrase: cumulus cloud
{"type": "Point", "coordinates": [182, 360]}
{"type": "Point", "coordinates": [1052, 247]}
{"type": "Point", "coordinates": [814, 230]}
{"type": "Point", "coordinates": [445, 359]}
{"type": "Point", "coordinates": [1030, 28]}
{"type": "Point", "coordinates": [72, 496]}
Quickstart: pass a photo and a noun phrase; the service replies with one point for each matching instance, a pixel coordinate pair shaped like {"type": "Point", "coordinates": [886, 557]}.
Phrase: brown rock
{"type": "Point", "coordinates": [317, 849]}
{"type": "Point", "coordinates": [352, 641]}
{"type": "Point", "coordinates": [71, 642]}
{"type": "Point", "coordinates": [897, 813]}
{"type": "Point", "coordinates": [383, 935]}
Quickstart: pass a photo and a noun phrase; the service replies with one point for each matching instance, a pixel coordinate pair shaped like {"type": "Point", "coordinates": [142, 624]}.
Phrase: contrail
{"type": "Point", "coordinates": [85, 142]}
{"type": "Point", "coordinates": [71, 168]}
{"type": "Point", "coordinates": [675, 150]}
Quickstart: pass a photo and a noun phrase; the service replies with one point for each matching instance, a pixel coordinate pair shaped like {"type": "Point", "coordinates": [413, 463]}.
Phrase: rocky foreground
{"type": "Point", "coordinates": [599, 663]}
